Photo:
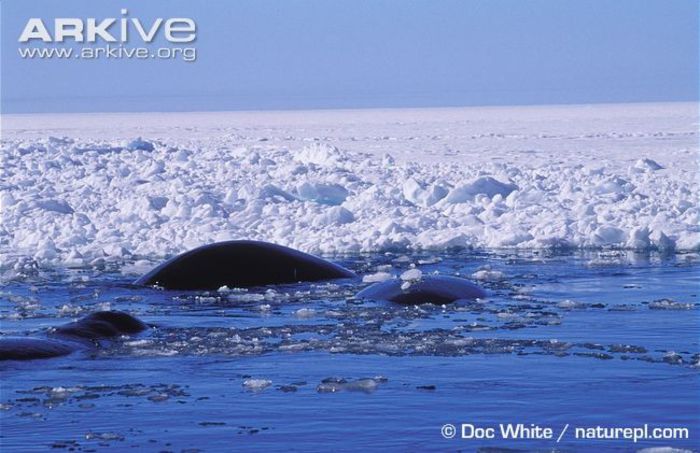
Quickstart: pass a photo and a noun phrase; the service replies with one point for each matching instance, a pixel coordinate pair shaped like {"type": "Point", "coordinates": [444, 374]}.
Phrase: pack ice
{"type": "Point", "coordinates": [79, 190]}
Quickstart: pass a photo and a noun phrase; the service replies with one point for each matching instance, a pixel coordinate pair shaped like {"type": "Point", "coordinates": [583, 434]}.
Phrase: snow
{"type": "Point", "coordinates": [485, 185]}
{"type": "Point", "coordinates": [336, 215]}
{"type": "Point", "coordinates": [647, 165]}
{"type": "Point", "coordinates": [332, 194]}
{"type": "Point", "coordinates": [419, 194]}
{"type": "Point", "coordinates": [141, 144]}
{"type": "Point", "coordinates": [119, 189]}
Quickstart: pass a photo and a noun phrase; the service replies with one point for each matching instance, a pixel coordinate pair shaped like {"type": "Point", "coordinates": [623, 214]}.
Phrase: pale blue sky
{"type": "Point", "coordinates": [294, 54]}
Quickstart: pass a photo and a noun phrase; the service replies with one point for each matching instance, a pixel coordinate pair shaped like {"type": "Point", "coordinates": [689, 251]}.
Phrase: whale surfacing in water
{"type": "Point", "coordinates": [28, 348]}
{"type": "Point", "coordinates": [241, 264]}
{"type": "Point", "coordinates": [101, 324]}
{"type": "Point", "coordinates": [432, 289]}
{"type": "Point", "coordinates": [71, 337]}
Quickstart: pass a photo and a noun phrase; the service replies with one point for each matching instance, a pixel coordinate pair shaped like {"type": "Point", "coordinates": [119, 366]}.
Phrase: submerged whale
{"type": "Point", "coordinates": [430, 289]}
{"type": "Point", "coordinates": [71, 337]}
{"type": "Point", "coordinates": [241, 264]}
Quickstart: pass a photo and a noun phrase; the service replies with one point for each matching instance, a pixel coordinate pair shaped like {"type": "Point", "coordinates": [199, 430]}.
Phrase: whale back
{"type": "Point", "coordinates": [241, 264]}
{"type": "Point", "coordinates": [27, 348]}
{"type": "Point", "coordinates": [101, 324]}
{"type": "Point", "coordinates": [71, 337]}
{"type": "Point", "coordinates": [431, 289]}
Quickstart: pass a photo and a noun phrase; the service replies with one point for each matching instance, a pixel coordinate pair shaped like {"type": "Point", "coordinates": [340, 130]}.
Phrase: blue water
{"type": "Point", "coordinates": [614, 357]}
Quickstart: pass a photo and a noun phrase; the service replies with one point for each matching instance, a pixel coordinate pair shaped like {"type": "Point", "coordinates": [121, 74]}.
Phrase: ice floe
{"type": "Point", "coordinates": [112, 196]}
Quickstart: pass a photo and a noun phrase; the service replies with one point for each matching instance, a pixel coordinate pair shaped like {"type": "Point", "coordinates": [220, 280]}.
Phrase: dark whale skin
{"type": "Point", "coordinates": [431, 289]}
{"type": "Point", "coordinates": [241, 264]}
{"type": "Point", "coordinates": [101, 324]}
{"type": "Point", "coordinates": [28, 348]}
{"type": "Point", "coordinates": [71, 337]}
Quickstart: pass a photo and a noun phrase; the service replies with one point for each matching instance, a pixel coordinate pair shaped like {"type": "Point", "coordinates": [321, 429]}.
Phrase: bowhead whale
{"type": "Point", "coordinates": [71, 337]}
{"type": "Point", "coordinates": [430, 289]}
{"type": "Point", "coordinates": [241, 264]}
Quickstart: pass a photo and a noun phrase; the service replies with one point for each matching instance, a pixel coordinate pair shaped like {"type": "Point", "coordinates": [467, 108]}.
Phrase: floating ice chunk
{"type": "Point", "coordinates": [569, 304]}
{"type": "Point", "coordinates": [293, 347]}
{"type": "Point", "coordinates": [667, 304]}
{"type": "Point", "coordinates": [140, 144]}
{"type": "Point", "coordinates": [305, 313]}
{"type": "Point", "coordinates": [329, 387]}
{"type": "Point", "coordinates": [69, 310]}
{"type": "Point", "coordinates": [507, 315]}
{"type": "Point", "coordinates": [244, 297]}
{"type": "Point", "coordinates": [361, 385]}
{"type": "Point", "coordinates": [664, 450]}
{"type": "Point", "coordinates": [337, 215]}
{"type": "Point", "coordinates": [103, 436]}
{"type": "Point", "coordinates": [485, 185]}
{"type": "Point", "coordinates": [57, 391]}
{"type": "Point", "coordinates": [206, 299]}
{"type": "Point", "coordinates": [332, 194]}
{"type": "Point", "coordinates": [256, 385]}
{"type": "Point", "coordinates": [138, 267]}
{"type": "Point", "coordinates": [488, 275]}
{"type": "Point", "coordinates": [412, 275]}
{"type": "Point", "coordinates": [334, 385]}
{"type": "Point", "coordinates": [430, 260]}
{"type": "Point", "coordinates": [135, 343]}
{"type": "Point", "coordinates": [673, 357]}
{"type": "Point", "coordinates": [377, 277]}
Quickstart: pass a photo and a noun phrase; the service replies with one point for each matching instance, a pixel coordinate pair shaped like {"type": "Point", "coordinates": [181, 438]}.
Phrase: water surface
{"type": "Point", "coordinates": [605, 338]}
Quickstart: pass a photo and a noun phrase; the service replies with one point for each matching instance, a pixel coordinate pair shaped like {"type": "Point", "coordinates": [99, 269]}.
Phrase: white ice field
{"type": "Point", "coordinates": [81, 190]}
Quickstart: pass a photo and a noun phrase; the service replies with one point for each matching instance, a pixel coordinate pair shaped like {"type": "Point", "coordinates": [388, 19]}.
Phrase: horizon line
{"type": "Point", "coordinates": [377, 108]}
